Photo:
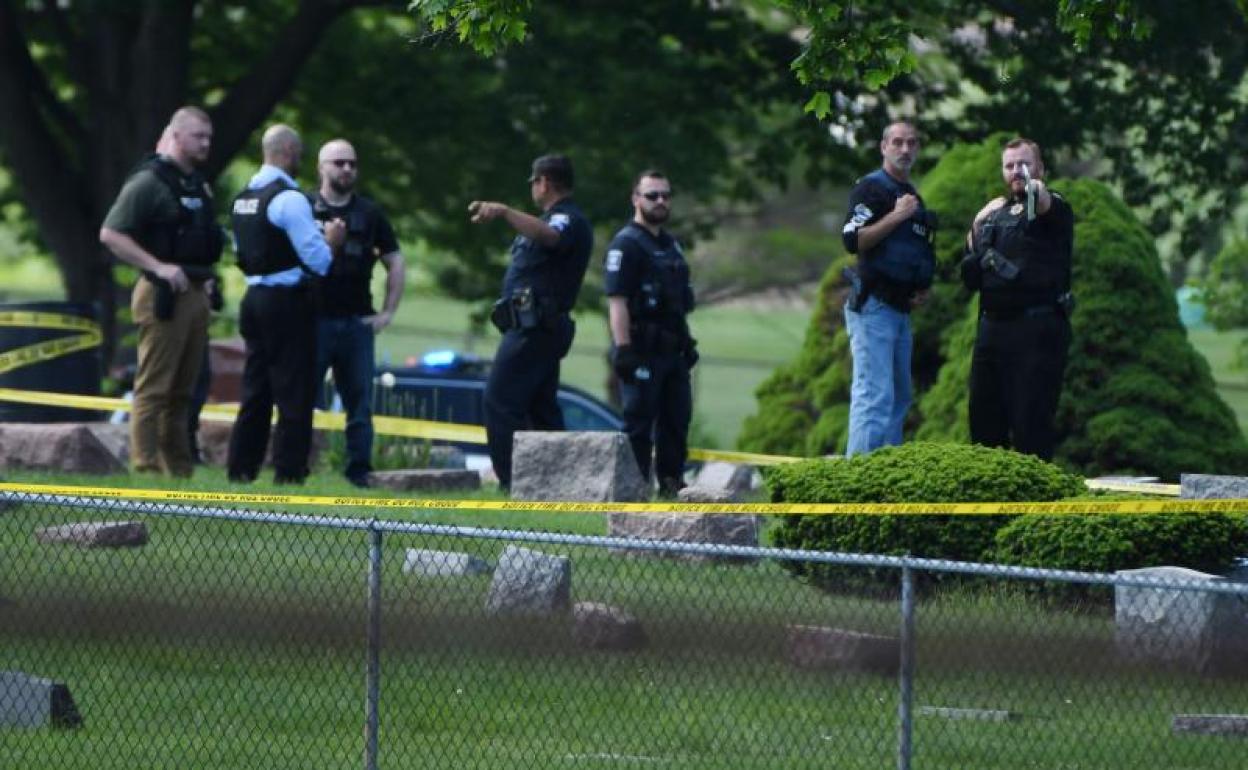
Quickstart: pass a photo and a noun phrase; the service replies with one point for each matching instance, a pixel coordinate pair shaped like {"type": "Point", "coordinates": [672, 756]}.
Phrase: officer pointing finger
{"type": "Point", "coordinates": [548, 260]}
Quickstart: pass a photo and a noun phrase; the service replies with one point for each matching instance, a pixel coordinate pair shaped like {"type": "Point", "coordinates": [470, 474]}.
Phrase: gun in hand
{"type": "Point", "coordinates": [1031, 193]}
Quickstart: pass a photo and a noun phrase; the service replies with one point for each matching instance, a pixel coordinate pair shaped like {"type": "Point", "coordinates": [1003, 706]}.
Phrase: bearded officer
{"type": "Point", "coordinates": [648, 296]}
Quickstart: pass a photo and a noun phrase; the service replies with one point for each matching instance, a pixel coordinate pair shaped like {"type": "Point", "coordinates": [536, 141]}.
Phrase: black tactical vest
{"type": "Point", "coordinates": [263, 247]}
{"type": "Point", "coordinates": [193, 239]}
{"type": "Point", "coordinates": [665, 293]}
{"type": "Point", "coordinates": [347, 290]}
{"type": "Point", "coordinates": [1041, 256]}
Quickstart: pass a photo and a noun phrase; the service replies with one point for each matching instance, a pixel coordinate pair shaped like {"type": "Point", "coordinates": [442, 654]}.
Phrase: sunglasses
{"type": "Point", "coordinates": [345, 163]}
{"type": "Point", "coordinates": [655, 195]}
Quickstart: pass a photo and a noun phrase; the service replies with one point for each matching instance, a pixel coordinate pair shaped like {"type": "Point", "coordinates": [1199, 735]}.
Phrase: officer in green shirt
{"type": "Point", "coordinates": [164, 223]}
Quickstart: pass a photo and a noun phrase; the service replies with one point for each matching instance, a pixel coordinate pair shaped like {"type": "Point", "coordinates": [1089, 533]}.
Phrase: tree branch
{"type": "Point", "coordinates": [253, 97]}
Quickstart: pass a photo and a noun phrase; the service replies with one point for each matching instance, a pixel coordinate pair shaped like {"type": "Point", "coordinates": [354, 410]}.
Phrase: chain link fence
{"type": "Point", "coordinates": [245, 639]}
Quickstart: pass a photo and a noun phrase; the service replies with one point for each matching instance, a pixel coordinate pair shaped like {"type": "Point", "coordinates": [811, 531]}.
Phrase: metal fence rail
{"type": "Point", "coordinates": [253, 639]}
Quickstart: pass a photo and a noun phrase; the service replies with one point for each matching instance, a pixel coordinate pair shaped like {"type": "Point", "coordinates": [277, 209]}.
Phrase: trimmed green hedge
{"type": "Point", "coordinates": [911, 473]}
{"type": "Point", "coordinates": [944, 473]}
{"type": "Point", "coordinates": [1208, 542]}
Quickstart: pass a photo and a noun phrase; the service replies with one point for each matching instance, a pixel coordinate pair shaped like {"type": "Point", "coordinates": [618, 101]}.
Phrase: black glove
{"type": "Point", "coordinates": [624, 360]}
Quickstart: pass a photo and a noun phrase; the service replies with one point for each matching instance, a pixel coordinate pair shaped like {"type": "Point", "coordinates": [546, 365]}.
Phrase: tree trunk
{"type": "Point", "coordinates": [129, 63]}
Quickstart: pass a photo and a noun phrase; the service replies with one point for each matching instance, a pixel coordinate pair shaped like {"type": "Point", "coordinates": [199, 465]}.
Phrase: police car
{"type": "Point", "coordinates": [446, 386]}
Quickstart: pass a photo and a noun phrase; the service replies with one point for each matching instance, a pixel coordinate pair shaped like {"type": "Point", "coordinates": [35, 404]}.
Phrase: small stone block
{"type": "Point", "coordinates": [443, 563]}
{"type": "Point", "coordinates": [33, 701]}
{"type": "Point", "coordinates": [978, 715]}
{"type": "Point", "coordinates": [426, 480]}
{"type": "Point", "coordinates": [821, 647]}
{"type": "Point", "coordinates": [601, 626]}
{"type": "Point", "coordinates": [529, 582]}
{"type": "Point", "coordinates": [1235, 725]}
{"type": "Point", "coordinates": [96, 534]}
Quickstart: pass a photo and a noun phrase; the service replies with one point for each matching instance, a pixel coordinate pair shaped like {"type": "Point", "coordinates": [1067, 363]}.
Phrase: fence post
{"type": "Point", "coordinates": [905, 715]}
{"type": "Point", "coordinates": [372, 673]}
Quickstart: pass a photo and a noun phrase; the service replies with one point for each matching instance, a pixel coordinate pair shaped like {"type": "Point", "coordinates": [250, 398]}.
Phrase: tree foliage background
{"type": "Point", "coordinates": [449, 99]}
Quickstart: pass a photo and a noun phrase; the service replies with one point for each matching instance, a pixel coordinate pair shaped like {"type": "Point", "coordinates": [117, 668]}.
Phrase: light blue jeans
{"type": "Point", "coordinates": [880, 342]}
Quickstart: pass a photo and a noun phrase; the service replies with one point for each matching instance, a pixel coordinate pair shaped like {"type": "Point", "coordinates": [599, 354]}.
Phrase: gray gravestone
{"type": "Point", "coordinates": [599, 626]}
{"type": "Point", "coordinates": [822, 647]}
{"type": "Point", "coordinates": [443, 563]}
{"type": "Point", "coordinates": [1201, 486]}
{"type": "Point", "coordinates": [1235, 725]}
{"type": "Point", "coordinates": [1195, 630]}
{"type": "Point", "coordinates": [529, 582]}
{"type": "Point", "coordinates": [726, 477]}
{"type": "Point", "coordinates": [426, 480]}
{"type": "Point", "coordinates": [66, 447]}
{"type": "Point", "coordinates": [95, 534]}
{"type": "Point", "coordinates": [683, 527]}
{"type": "Point", "coordinates": [586, 466]}
{"type": "Point", "coordinates": [32, 701]}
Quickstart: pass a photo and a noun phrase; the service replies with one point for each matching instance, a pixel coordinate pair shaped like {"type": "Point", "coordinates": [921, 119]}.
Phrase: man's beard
{"type": "Point", "coordinates": [654, 217]}
{"type": "Point", "coordinates": [342, 188]}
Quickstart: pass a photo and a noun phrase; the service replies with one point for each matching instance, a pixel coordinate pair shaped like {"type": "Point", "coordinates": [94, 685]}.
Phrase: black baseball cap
{"type": "Point", "coordinates": [556, 168]}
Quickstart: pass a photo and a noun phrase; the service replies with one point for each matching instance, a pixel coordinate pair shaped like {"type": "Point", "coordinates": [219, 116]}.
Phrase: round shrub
{"type": "Point", "coordinates": [911, 473]}
{"type": "Point", "coordinates": [1208, 542]}
{"type": "Point", "coordinates": [1137, 398]}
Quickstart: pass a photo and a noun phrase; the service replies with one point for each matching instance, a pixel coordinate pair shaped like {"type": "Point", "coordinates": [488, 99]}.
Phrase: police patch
{"type": "Point", "coordinates": [862, 215]}
{"type": "Point", "coordinates": [560, 222]}
{"type": "Point", "coordinates": [614, 258]}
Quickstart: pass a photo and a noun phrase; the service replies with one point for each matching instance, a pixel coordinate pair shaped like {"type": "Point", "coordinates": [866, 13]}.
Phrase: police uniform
{"type": "Point", "coordinates": [170, 214]}
{"type": "Point", "coordinates": [539, 291]}
{"type": "Point", "coordinates": [279, 247]}
{"type": "Point", "coordinates": [344, 341]}
{"type": "Point", "coordinates": [651, 273]}
{"type": "Point", "coordinates": [877, 311]}
{"type": "Point", "coordinates": [1022, 271]}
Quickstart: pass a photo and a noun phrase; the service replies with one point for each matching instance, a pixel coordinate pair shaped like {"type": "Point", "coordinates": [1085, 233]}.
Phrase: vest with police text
{"type": "Point", "coordinates": [263, 247]}
{"type": "Point", "coordinates": [904, 257]}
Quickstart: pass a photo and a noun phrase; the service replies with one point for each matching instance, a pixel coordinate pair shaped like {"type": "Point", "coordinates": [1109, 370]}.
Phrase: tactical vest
{"type": "Point", "coordinates": [263, 247]}
{"type": "Point", "coordinates": [347, 289]}
{"type": "Point", "coordinates": [1043, 264]}
{"type": "Point", "coordinates": [904, 257]}
{"type": "Point", "coordinates": [665, 291]}
{"type": "Point", "coordinates": [193, 239]}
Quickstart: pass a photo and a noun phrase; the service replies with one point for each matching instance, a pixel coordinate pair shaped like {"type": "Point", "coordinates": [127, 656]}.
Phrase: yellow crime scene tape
{"type": "Point", "coordinates": [88, 336]}
{"type": "Point", "coordinates": [758, 509]}
{"type": "Point", "coordinates": [382, 425]}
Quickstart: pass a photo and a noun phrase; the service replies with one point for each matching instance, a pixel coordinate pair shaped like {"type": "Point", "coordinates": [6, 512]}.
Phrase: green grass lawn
{"type": "Point", "coordinates": [239, 645]}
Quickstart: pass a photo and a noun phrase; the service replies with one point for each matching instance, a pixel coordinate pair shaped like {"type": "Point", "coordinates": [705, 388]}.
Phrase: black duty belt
{"type": "Point", "coordinates": [1014, 314]}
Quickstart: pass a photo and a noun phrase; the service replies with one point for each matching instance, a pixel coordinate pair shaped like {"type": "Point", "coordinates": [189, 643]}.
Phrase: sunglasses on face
{"type": "Point", "coordinates": [655, 195]}
{"type": "Point", "coordinates": [344, 163]}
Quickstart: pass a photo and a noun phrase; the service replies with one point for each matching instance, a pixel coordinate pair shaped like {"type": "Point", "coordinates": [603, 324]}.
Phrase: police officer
{"type": "Point", "coordinates": [1019, 259]}
{"type": "Point", "coordinates": [164, 223]}
{"type": "Point", "coordinates": [891, 232]}
{"type": "Point", "coordinates": [548, 261]}
{"type": "Point", "coordinates": [279, 248]}
{"type": "Point", "coordinates": [347, 323]}
{"type": "Point", "coordinates": [649, 295]}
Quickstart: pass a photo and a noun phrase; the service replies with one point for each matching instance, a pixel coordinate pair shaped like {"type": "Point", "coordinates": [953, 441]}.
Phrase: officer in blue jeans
{"type": "Point", "coordinates": [347, 323]}
{"type": "Point", "coordinates": [891, 232]}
